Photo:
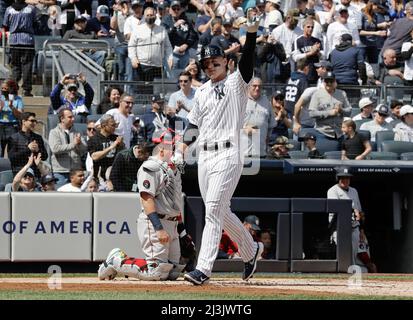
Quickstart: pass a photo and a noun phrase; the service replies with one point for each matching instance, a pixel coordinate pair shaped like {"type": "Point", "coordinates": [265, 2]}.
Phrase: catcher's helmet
{"type": "Point", "coordinates": [211, 51]}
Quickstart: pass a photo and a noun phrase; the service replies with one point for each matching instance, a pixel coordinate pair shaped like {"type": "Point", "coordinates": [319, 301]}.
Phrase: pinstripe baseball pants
{"type": "Point", "coordinates": [218, 175]}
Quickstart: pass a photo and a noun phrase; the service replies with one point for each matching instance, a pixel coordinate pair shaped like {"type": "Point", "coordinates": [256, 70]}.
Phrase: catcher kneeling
{"type": "Point", "coordinates": [160, 228]}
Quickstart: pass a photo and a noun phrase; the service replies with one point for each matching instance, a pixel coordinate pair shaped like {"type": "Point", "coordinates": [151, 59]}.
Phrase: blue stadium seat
{"type": "Point", "coordinates": [80, 127]}
{"type": "Point", "coordinates": [297, 154]}
{"type": "Point", "coordinates": [332, 155]}
{"type": "Point", "coordinates": [94, 117]}
{"type": "Point", "coordinates": [52, 121]}
{"type": "Point", "coordinates": [360, 122]}
{"type": "Point", "coordinates": [383, 136]}
{"type": "Point", "coordinates": [406, 156]}
{"type": "Point", "coordinates": [325, 145]}
{"type": "Point", "coordinates": [297, 144]}
{"type": "Point", "coordinates": [5, 164]}
{"type": "Point", "coordinates": [354, 112]}
{"type": "Point", "coordinates": [6, 177]}
{"type": "Point", "coordinates": [381, 155]}
{"type": "Point", "coordinates": [398, 147]}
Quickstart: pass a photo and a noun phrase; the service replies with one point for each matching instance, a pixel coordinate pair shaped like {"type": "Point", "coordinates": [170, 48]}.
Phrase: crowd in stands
{"type": "Point", "coordinates": [308, 48]}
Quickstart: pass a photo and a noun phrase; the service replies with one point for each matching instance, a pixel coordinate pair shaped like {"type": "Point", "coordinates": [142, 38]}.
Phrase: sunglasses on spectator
{"type": "Point", "coordinates": [91, 129]}
{"type": "Point", "coordinates": [32, 120]}
{"type": "Point", "coordinates": [128, 102]}
{"type": "Point", "coordinates": [176, 8]}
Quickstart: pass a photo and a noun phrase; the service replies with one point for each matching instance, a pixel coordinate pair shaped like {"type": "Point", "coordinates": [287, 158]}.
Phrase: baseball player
{"type": "Point", "coordinates": [217, 119]}
{"type": "Point", "coordinates": [360, 245]}
{"type": "Point", "coordinates": [159, 183]}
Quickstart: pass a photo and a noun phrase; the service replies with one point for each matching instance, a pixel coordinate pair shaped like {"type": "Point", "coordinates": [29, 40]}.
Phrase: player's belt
{"type": "Point", "coordinates": [217, 145]}
{"type": "Point", "coordinates": [164, 217]}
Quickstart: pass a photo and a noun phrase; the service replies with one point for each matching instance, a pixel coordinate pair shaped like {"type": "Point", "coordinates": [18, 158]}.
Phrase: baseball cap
{"type": "Point", "coordinates": [275, 1]}
{"type": "Point", "coordinates": [293, 13]}
{"type": "Point", "coordinates": [72, 85]}
{"type": "Point", "coordinates": [137, 3]}
{"type": "Point", "coordinates": [157, 98]}
{"type": "Point", "coordinates": [310, 12]}
{"type": "Point", "coordinates": [281, 140]}
{"type": "Point", "coordinates": [103, 11]}
{"type": "Point", "coordinates": [342, 8]}
{"type": "Point", "coordinates": [30, 172]}
{"type": "Point", "coordinates": [406, 109]}
{"type": "Point", "coordinates": [323, 63]}
{"type": "Point", "coordinates": [48, 178]}
{"type": "Point", "coordinates": [346, 37]}
{"type": "Point", "coordinates": [227, 22]}
{"type": "Point", "coordinates": [278, 95]}
{"type": "Point", "coordinates": [80, 18]}
{"type": "Point", "coordinates": [175, 3]}
{"type": "Point", "coordinates": [329, 76]}
{"type": "Point", "coordinates": [382, 109]}
{"type": "Point", "coordinates": [137, 119]}
{"type": "Point", "coordinates": [364, 102]}
{"type": "Point", "coordinates": [307, 136]}
{"type": "Point", "coordinates": [254, 221]}
{"type": "Point", "coordinates": [206, 1]}
{"type": "Point", "coordinates": [260, 3]}
{"type": "Point", "coordinates": [343, 172]}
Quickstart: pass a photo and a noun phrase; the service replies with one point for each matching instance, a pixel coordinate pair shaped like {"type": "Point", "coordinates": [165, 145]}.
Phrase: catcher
{"type": "Point", "coordinates": [160, 228]}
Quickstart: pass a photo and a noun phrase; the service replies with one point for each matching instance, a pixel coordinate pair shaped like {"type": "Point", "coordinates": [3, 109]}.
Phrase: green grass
{"type": "Point", "coordinates": [113, 295]}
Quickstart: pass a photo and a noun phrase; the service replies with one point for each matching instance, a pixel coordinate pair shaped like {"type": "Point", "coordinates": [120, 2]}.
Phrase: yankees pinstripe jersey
{"type": "Point", "coordinates": [161, 182]}
{"type": "Point", "coordinates": [219, 109]}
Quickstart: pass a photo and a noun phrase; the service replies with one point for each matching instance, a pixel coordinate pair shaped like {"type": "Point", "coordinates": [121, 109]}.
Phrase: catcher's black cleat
{"type": "Point", "coordinates": [251, 266]}
{"type": "Point", "coordinates": [196, 277]}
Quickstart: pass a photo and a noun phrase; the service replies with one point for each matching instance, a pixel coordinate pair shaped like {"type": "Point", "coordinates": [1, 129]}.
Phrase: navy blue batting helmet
{"type": "Point", "coordinates": [211, 51]}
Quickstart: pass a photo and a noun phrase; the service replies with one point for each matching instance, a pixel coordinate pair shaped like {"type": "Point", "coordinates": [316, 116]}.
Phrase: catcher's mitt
{"type": "Point", "coordinates": [188, 252]}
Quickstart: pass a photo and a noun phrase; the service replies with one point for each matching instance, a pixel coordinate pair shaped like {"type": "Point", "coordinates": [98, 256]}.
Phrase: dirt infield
{"type": "Point", "coordinates": [327, 287]}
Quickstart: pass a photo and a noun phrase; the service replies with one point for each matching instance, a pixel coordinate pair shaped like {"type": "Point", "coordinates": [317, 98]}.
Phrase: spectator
{"type": "Point", "coordinates": [273, 16]}
{"type": "Point", "coordinates": [231, 10]}
{"type": "Point", "coordinates": [318, 32]}
{"type": "Point", "coordinates": [268, 239]}
{"type": "Point", "coordinates": [230, 44]}
{"type": "Point", "coordinates": [67, 146]}
{"type": "Point", "coordinates": [406, 55]}
{"type": "Point", "coordinates": [176, 123]}
{"type": "Point", "coordinates": [214, 30]}
{"type": "Point", "coordinates": [228, 249]}
{"type": "Point", "coordinates": [134, 20]}
{"type": "Point", "coordinates": [346, 60]}
{"type": "Point", "coordinates": [394, 117]}
{"type": "Point", "coordinates": [308, 48]}
{"type": "Point", "coordinates": [354, 146]}
{"type": "Point", "coordinates": [396, 9]}
{"type": "Point", "coordinates": [310, 142]}
{"type": "Point", "coordinates": [137, 136]}
{"type": "Point", "coordinates": [322, 68]}
{"type": "Point", "coordinates": [399, 31]}
{"type": "Point", "coordinates": [124, 118]}
{"type": "Point", "coordinates": [326, 14]}
{"type": "Point", "coordinates": [404, 130]}
{"type": "Point", "coordinates": [100, 24]}
{"type": "Point", "coordinates": [378, 123]}
{"type": "Point", "coordinates": [366, 107]}
{"type": "Point", "coordinates": [70, 10]}
{"type": "Point", "coordinates": [338, 28]}
{"type": "Point", "coordinates": [25, 179]}
{"type": "Point", "coordinates": [183, 99]}
{"type": "Point", "coordinates": [126, 165]}
{"type": "Point", "coordinates": [110, 100]}
{"type": "Point", "coordinates": [149, 47]}
{"type": "Point", "coordinates": [77, 177]}
{"type": "Point", "coordinates": [360, 248]}
{"type": "Point", "coordinates": [287, 33]}
{"type": "Point", "coordinates": [72, 99]}
{"type": "Point", "coordinates": [391, 71]}
{"type": "Point", "coordinates": [282, 122]}
{"type": "Point", "coordinates": [48, 183]}
{"type": "Point", "coordinates": [92, 185]}
{"type": "Point", "coordinates": [280, 149]}
{"type": "Point", "coordinates": [117, 22]}
{"type": "Point", "coordinates": [258, 122]}
{"type": "Point", "coordinates": [181, 35]}
{"type": "Point", "coordinates": [328, 107]}
{"type": "Point", "coordinates": [42, 15]}
{"type": "Point", "coordinates": [104, 146]}
{"type": "Point", "coordinates": [155, 119]}
{"type": "Point", "coordinates": [296, 85]}
{"type": "Point", "coordinates": [252, 224]}
{"type": "Point", "coordinates": [24, 143]}
{"type": "Point", "coordinates": [301, 116]}
{"type": "Point", "coordinates": [20, 21]}
{"type": "Point", "coordinates": [203, 21]}
{"type": "Point", "coordinates": [11, 108]}
{"type": "Point", "coordinates": [371, 31]}
{"type": "Point", "coordinates": [194, 68]}
{"type": "Point", "coordinates": [354, 12]}
{"type": "Point", "coordinates": [81, 33]}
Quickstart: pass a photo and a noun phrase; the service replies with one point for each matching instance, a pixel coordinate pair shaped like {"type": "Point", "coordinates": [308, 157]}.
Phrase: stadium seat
{"type": "Point", "coordinates": [383, 136]}
{"type": "Point", "coordinates": [354, 112]}
{"type": "Point", "coordinates": [381, 155]}
{"type": "Point", "coordinates": [5, 164]}
{"type": "Point", "coordinates": [332, 155]}
{"type": "Point", "coordinates": [406, 156]}
{"type": "Point", "coordinates": [297, 154]}
{"type": "Point", "coordinates": [6, 177]}
{"type": "Point", "coordinates": [297, 144]}
{"type": "Point", "coordinates": [94, 117]}
{"type": "Point", "coordinates": [365, 134]}
{"type": "Point", "coordinates": [52, 121]}
{"type": "Point", "coordinates": [80, 127]}
{"type": "Point", "coordinates": [398, 147]}
{"type": "Point", "coordinates": [325, 145]}
{"type": "Point", "coordinates": [360, 122]}
{"type": "Point", "coordinates": [139, 109]}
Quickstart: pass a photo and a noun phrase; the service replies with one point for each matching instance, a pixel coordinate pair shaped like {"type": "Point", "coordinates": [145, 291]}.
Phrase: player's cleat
{"type": "Point", "coordinates": [250, 266]}
{"type": "Point", "coordinates": [107, 269]}
{"type": "Point", "coordinates": [196, 277]}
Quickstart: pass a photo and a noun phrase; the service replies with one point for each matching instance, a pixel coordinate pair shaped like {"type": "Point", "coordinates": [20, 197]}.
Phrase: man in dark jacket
{"type": "Point", "coordinates": [296, 85]}
{"type": "Point", "coordinates": [25, 142]}
{"type": "Point", "coordinates": [181, 34]}
{"type": "Point", "coordinates": [126, 165]}
{"type": "Point", "coordinates": [346, 61]}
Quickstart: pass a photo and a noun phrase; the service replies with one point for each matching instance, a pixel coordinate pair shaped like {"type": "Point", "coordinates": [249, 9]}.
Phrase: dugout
{"type": "Point", "coordinates": [385, 189]}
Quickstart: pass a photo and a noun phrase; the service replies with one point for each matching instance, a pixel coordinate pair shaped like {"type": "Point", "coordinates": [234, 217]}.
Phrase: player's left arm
{"type": "Point", "coordinates": [246, 64]}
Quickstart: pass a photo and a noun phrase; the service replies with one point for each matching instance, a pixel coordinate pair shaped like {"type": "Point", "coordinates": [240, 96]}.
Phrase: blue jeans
{"type": "Point", "coordinates": [98, 57]}
{"type": "Point", "coordinates": [180, 61]}
{"type": "Point", "coordinates": [123, 62]}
